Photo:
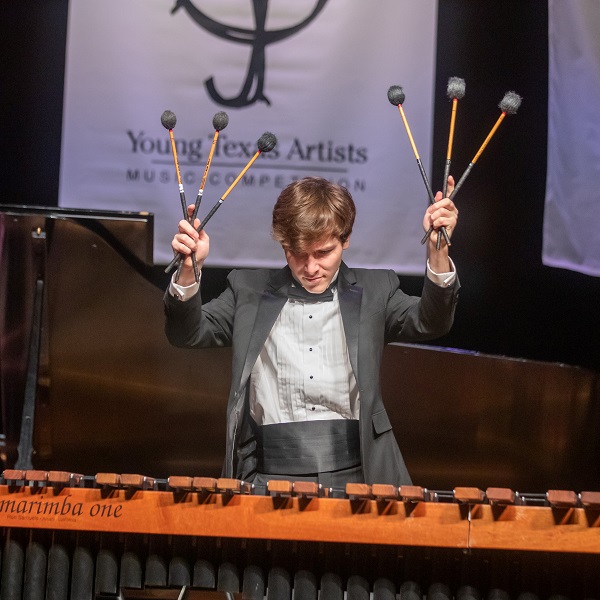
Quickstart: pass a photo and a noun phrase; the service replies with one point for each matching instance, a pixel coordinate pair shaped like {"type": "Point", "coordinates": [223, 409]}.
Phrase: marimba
{"type": "Point", "coordinates": [129, 536]}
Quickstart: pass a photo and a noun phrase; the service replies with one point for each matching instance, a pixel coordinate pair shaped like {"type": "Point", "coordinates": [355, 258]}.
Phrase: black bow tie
{"type": "Point", "coordinates": [297, 292]}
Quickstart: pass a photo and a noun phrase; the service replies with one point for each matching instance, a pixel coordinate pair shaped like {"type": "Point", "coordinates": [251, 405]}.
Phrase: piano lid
{"type": "Point", "coordinates": [112, 392]}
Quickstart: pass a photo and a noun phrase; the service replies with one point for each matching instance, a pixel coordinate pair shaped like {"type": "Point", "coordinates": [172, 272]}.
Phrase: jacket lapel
{"type": "Point", "coordinates": [272, 300]}
{"type": "Point", "coordinates": [350, 297]}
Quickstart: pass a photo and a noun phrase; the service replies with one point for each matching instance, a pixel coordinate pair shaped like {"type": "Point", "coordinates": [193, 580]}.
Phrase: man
{"type": "Point", "coordinates": [305, 401]}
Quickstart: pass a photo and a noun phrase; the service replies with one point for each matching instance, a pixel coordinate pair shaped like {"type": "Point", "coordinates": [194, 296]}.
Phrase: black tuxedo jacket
{"type": "Point", "coordinates": [375, 312]}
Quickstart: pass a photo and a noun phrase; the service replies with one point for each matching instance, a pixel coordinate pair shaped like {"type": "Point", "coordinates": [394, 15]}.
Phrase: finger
{"type": "Point", "coordinates": [445, 207]}
{"type": "Point", "coordinates": [186, 228]}
{"type": "Point", "coordinates": [450, 186]}
{"type": "Point", "coordinates": [187, 238]}
{"type": "Point", "coordinates": [181, 248]}
{"type": "Point", "coordinates": [443, 216]}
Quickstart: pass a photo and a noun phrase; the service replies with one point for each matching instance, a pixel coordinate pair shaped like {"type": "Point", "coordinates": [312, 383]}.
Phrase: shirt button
{"type": "Point", "coordinates": [310, 349]}
{"type": "Point", "coordinates": [312, 408]}
{"type": "Point", "coordinates": [310, 316]}
{"type": "Point", "coordinates": [311, 376]}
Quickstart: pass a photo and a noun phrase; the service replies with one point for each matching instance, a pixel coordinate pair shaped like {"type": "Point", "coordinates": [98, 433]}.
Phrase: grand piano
{"type": "Point", "coordinates": [89, 386]}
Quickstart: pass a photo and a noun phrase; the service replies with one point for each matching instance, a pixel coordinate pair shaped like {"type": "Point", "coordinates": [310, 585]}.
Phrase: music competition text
{"type": "Point", "coordinates": [276, 169]}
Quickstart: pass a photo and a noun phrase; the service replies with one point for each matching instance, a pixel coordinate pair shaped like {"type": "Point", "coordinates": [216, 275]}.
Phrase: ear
{"type": "Point", "coordinates": [346, 243]}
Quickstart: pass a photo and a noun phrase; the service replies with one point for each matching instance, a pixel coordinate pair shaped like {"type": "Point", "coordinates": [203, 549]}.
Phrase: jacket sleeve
{"type": "Point", "coordinates": [191, 324]}
{"type": "Point", "coordinates": [413, 318]}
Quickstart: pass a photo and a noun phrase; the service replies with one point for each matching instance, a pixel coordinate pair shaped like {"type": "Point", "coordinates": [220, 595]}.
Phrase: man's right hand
{"type": "Point", "coordinates": [186, 241]}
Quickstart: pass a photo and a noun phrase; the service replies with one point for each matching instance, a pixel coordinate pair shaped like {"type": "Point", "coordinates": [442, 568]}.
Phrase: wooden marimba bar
{"type": "Point", "coordinates": [75, 537]}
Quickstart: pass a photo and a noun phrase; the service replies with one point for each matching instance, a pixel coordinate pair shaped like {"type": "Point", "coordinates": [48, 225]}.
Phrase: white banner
{"type": "Point", "coordinates": [571, 232]}
{"type": "Point", "coordinates": [313, 72]}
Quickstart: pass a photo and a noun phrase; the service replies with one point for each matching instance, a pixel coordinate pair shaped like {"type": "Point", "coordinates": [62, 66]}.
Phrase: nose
{"type": "Point", "coordinates": [311, 266]}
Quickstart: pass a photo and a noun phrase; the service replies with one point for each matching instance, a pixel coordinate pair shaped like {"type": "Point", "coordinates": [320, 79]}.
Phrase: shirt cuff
{"type": "Point", "coordinates": [184, 292]}
{"type": "Point", "coordinates": [442, 279]}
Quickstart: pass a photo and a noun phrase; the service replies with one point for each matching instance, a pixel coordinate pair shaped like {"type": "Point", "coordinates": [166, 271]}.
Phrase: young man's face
{"type": "Point", "coordinates": [315, 268]}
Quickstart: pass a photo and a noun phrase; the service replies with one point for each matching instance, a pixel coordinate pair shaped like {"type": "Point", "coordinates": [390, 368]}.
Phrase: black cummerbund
{"type": "Point", "coordinates": [308, 446]}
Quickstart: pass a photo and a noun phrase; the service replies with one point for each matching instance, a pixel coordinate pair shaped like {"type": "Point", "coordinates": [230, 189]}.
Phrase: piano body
{"type": "Point", "coordinates": [102, 392]}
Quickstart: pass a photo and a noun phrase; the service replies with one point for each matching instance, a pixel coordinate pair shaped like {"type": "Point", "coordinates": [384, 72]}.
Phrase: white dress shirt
{"type": "Point", "coordinates": [303, 371]}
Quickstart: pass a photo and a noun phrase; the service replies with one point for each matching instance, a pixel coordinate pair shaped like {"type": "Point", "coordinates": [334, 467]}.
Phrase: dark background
{"type": "Point", "coordinates": [510, 303]}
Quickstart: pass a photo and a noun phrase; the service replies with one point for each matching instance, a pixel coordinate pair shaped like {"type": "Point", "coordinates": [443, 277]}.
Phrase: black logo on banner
{"type": "Point", "coordinates": [259, 38]}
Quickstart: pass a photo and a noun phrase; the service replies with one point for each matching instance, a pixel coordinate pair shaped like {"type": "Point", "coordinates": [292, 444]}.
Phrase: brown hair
{"type": "Point", "coordinates": [310, 209]}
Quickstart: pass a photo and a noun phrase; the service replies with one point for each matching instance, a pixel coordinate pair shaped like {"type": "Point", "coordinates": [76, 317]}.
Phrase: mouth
{"type": "Point", "coordinates": [314, 284]}
{"type": "Point", "coordinates": [312, 279]}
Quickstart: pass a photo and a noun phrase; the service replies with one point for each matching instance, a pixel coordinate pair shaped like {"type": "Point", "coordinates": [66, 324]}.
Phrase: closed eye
{"type": "Point", "coordinates": [324, 252]}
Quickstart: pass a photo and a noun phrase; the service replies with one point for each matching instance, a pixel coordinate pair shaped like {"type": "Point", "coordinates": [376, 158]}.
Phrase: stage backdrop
{"type": "Point", "coordinates": [313, 72]}
{"type": "Point", "coordinates": [571, 232]}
